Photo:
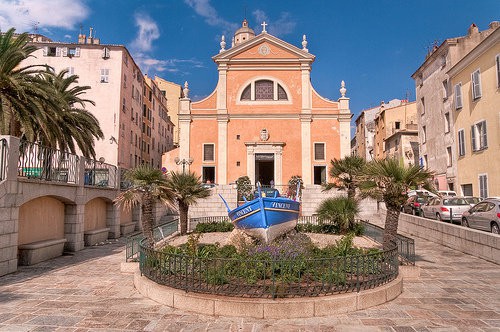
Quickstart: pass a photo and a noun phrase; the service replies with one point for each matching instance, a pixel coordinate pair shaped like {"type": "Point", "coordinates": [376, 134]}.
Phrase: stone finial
{"type": "Point", "coordinates": [342, 90]}
{"type": "Point", "coordinates": [222, 44]}
{"type": "Point", "coordinates": [304, 43]}
{"type": "Point", "coordinates": [185, 91]}
{"type": "Point", "coordinates": [264, 24]}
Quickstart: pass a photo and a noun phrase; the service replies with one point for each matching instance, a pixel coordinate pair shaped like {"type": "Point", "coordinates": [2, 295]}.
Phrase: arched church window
{"type": "Point", "coordinates": [264, 90]}
{"type": "Point", "coordinates": [281, 93]}
{"type": "Point", "coordinates": [247, 93]}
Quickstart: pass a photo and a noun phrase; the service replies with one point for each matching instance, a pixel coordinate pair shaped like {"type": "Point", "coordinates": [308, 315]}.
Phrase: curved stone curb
{"type": "Point", "coordinates": [267, 308]}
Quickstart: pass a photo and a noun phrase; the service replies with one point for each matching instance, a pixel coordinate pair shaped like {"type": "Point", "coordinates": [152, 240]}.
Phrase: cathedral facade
{"type": "Point", "coordinates": [264, 119]}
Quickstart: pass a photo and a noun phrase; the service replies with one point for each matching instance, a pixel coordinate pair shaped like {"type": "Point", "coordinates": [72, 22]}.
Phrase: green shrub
{"type": "Point", "coordinates": [339, 211]}
{"type": "Point", "coordinates": [210, 227]}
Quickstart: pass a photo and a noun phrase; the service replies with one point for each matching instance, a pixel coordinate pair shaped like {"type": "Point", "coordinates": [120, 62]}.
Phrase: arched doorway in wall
{"type": "Point", "coordinates": [41, 219]}
{"type": "Point", "coordinates": [95, 215]}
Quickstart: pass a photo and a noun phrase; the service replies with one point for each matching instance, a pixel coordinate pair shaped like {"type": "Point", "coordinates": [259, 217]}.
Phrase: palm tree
{"type": "Point", "coordinates": [147, 186]}
{"type": "Point", "coordinates": [344, 171]}
{"type": "Point", "coordinates": [186, 189]}
{"type": "Point", "coordinates": [340, 211]}
{"type": "Point", "coordinates": [389, 180]}
{"type": "Point", "coordinates": [69, 122]}
{"type": "Point", "coordinates": [21, 89]}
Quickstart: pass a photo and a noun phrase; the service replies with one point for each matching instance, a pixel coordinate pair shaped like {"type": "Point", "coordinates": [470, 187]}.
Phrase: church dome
{"type": "Point", "coordinates": [243, 34]}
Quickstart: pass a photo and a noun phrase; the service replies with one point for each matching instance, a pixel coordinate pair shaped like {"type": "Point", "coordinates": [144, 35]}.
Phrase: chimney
{"type": "Point", "coordinates": [82, 39]}
{"type": "Point", "coordinates": [494, 25]}
{"type": "Point", "coordinates": [473, 29]}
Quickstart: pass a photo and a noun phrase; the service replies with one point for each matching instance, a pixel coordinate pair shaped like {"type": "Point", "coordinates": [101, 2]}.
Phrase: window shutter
{"type": "Point", "coordinates": [458, 96]}
{"type": "Point", "coordinates": [319, 151]}
{"type": "Point", "coordinates": [58, 51]}
{"type": "Point", "coordinates": [484, 135]}
{"type": "Point", "coordinates": [77, 51]}
{"type": "Point", "coordinates": [64, 51]}
{"type": "Point", "coordinates": [45, 50]}
{"type": "Point", "coordinates": [476, 84]}
{"type": "Point", "coordinates": [498, 70]}
{"type": "Point", "coordinates": [473, 137]}
{"type": "Point", "coordinates": [208, 152]}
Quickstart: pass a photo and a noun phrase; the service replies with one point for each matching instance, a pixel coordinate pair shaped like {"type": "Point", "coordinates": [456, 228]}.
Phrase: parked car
{"type": "Point", "coordinates": [484, 215]}
{"type": "Point", "coordinates": [440, 208]}
{"type": "Point", "coordinates": [443, 193]}
{"type": "Point", "coordinates": [473, 200]}
{"type": "Point", "coordinates": [414, 203]}
{"type": "Point", "coordinates": [420, 192]}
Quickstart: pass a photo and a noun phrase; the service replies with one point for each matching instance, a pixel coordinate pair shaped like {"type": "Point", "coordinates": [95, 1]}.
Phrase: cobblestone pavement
{"type": "Point", "coordinates": [87, 292]}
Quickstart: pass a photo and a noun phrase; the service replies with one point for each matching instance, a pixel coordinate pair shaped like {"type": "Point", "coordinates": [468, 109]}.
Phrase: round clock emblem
{"type": "Point", "coordinates": [264, 50]}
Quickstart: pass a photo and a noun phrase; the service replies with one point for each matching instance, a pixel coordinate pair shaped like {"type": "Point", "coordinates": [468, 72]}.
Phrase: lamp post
{"type": "Point", "coordinates": [183, 162]}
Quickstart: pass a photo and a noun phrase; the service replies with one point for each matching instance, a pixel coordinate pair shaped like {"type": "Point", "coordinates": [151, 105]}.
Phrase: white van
{"type": "Point", "coordinates": [447, 193]}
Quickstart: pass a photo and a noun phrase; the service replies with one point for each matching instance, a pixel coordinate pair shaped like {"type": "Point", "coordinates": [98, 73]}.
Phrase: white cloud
{"type": "Point", "coordinates": [147, 64]}
{"type": "Point", "coordinates": [205, 10]}
{"type": "Point", "coordinates": [147, 33]}
{"type": "Point", "coordinates": [25, 14]}
{"type": "Point", "coordinates": [279, 27]}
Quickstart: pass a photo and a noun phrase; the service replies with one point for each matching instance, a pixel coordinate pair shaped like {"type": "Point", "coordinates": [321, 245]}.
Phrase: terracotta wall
{"type": "Point", "coordinates": [95, 214]}
{"type": "Point", "coordinates": [41, 219]}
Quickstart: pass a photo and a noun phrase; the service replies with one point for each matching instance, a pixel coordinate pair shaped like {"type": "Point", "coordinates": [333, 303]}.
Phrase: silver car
{"type": "Point", "coordinates": [484, 215]}
{"type": "Point", "coordinates": [440, 208]}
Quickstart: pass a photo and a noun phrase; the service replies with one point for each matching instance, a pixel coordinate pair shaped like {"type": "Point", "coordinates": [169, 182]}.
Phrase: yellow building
{"type": "Point", "coordinates": [396, 134]}
{"type": "Point", "coordinates": [172, 92]}
{"type": "Point", "coordinates": [476, 96]}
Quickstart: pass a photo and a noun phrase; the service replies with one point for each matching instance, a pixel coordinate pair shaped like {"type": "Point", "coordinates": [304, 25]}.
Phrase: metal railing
{"type": "Point", "coordinates": [4, 152]}
{"type": "Point", "coordinates": [100, 174]}
{"type": "Point", "coordinates": [40, 162]}
{"type": "Point", "coordinates": [406, 245]}
{"type": "Point", "coordinates": [276, 278]}
{"type": "Point", "coordinates": [159, 232]}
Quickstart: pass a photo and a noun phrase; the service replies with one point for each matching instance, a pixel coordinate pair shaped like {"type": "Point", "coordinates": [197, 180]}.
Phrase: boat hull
{"type": "Point", "coordinates": [266, 218]}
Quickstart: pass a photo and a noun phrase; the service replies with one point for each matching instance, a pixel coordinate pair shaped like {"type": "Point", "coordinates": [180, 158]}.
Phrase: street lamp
{"type": "Point", "coordinates": [183, 162]}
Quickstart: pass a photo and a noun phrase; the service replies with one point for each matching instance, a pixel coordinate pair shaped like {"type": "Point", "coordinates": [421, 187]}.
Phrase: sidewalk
{"type": "Point", "coordinates": [87, 292]}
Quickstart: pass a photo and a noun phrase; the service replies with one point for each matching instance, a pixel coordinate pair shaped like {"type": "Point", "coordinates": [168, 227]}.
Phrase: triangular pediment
{"type": "Point", "coordinates": [264, 46]}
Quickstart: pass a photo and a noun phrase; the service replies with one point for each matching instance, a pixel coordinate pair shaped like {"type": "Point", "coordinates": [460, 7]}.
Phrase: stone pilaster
{"type": "Point", "coordinates": [345, 127]}
{"type": "Point", "coordinates": [222, 122]}
{"type": "Point", "coordinates": [305, 124]}
{"type": "Point", "coordinates": [113, 220]}
{"type": "Point", "coordinates": [74, 219]}
{"type": "Point", "coordinates": [184, 130]}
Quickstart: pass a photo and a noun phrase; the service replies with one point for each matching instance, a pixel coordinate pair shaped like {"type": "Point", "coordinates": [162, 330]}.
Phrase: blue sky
{"type": "Point", "coordinates": [374, 46]}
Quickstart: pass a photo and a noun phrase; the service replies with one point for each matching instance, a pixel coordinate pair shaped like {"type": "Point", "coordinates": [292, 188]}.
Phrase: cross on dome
{"type": "Point", "coordinates": [264, 24]}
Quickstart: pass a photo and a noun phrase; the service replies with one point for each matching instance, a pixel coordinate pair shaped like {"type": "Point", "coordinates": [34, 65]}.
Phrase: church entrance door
{"type": "Point", "coordinates": [264, 168]}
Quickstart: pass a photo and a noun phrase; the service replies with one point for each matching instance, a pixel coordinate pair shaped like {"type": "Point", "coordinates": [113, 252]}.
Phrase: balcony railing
{"type": "Point", "coordinates": [44, 163]}
{"type": "Point", "coordinates": [100, 174]}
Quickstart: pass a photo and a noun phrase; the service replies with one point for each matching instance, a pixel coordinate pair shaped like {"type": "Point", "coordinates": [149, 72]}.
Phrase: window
{"type": "Point", "coordinates": [72, 52]}
{"type": "Point", "coordinates": [51, 51]}
{"type": "Point", "coordinates": [264, 90]}
{"type": "Point", "coordinates": [483, 185]}
{"type": "Point", "coordinates": [461, 142]}
{"type": "Point", "coordinates": [448, 154]}
{"type": "Point", "coordinates": [124, 81]}
{"type": "Point", "coordinates": [458, 96]}
{"type": "Point", "coordinates": [397, 125]}
{"type": "Point", "coordinates": [422, 102]}
{"type": "Point", "coordinates": [497, 60]}
{"type": "Point", "coordinates": [426, 163]}
{"type": "Point", "coordinates": [424, 134]}
{"type": "Point", "coordinates": [71, 71]}
{"type": "Point", "coordinates": [319, 151]}
{"type": "Point", "coordinates": [105, 53]}
{"type": "Point", "coordinates": [124, 109]}
{"type": "Point", "coordinates": [209, 152]}
{"type": "Point", "coordinates": [446, 122]}
{"type": "Point", "coordinates": [104, 75]}
{"type": "Point", "coordinates": [479, 136]}
{"type": "Point", "coordinates": [476, 84]}
{"type": "Point", "coordinates": [208, 174]}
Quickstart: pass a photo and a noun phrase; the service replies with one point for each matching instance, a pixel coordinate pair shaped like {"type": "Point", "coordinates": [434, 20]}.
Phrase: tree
{"type": "Point", "coordinates": [147, 186]}
{"type": "Point", "coordinates": [22, 91]}
{"type": "Point", "coordinates": [389, 180]}
{"type": "Point", "coordinates": [344, 172]}
{"type": "Point", "coordinates": [186, 189]}
{"type": "Point", "coordinates": [69, 122]}
{"type": "Point", "coordinates": [339, 211]}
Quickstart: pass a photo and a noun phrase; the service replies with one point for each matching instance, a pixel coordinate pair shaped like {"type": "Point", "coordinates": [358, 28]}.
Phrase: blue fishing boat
{"type": "Point", "coordinates": [265, 218]}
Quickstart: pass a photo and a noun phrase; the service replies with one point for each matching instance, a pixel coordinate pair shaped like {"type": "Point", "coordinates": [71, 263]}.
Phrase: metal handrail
{"type": "Point", "coordinates": [40, 162]}
{"type": "Point", "coordinates": [100, 174]}
{"type": "Point", "coordinates": [159, 232]}
{"type": "Point", "coordinates": [259, 278]}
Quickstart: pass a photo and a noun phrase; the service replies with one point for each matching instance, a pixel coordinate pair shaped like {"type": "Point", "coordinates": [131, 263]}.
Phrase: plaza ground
{"type": "Point", "coordinates": [87, 292]}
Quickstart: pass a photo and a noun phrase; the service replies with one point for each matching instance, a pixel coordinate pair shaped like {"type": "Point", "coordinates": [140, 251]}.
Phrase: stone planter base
{"type": "Point", "coordinates": [267, 308]}
{"type": "Point", "coordinates": [36, 252]}
{"type": "Point", "coordinates": [127, 228]}
{"type": "Point", "coordinates": [95, 236]}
